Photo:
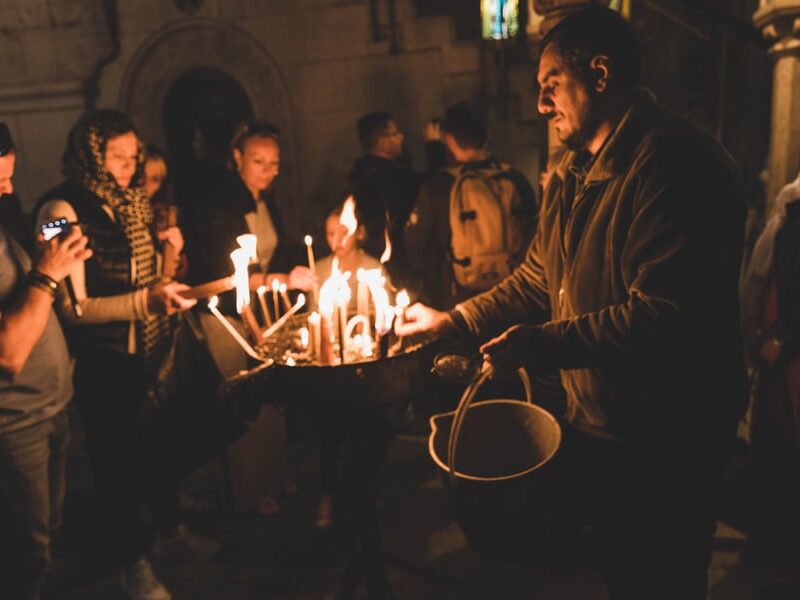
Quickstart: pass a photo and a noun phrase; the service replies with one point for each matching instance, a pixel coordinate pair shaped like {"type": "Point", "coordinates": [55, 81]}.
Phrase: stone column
{"type": "Point", "coordinates": [779, 21]}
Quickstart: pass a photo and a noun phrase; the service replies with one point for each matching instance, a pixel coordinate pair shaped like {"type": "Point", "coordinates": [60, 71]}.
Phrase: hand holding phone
{"type": "Point", "coordinates": [62, 248]}
{"type": "Point", "coordinates": [54, 228]}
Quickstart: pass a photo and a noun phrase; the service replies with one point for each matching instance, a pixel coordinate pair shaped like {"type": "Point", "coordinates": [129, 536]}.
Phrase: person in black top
{"type": "Point", "coordinates": [385, 187]}
{"type": "Point", "coordinates": [242, 201]}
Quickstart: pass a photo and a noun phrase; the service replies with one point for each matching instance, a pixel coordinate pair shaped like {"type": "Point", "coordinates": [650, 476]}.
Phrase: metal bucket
{"type": "Point", "coordinates": [498, 457]}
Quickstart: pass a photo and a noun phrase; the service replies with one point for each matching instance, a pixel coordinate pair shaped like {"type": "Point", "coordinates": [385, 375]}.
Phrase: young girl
{"type": "Point", "coordinates": [351, 257]}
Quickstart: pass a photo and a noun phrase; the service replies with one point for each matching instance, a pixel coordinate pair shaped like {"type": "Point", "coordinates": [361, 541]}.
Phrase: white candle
{"type": "Point", "coordinates": [276, 285]}
{"type": "Point", "coordinates": [314, 326]}
{"type": "Point", "coordinates": [261, 292]}
{"type": "Point", "coordinates": [212, 306]}
{"type": "Point", "coordinates": [304, 334]}
{"type": "Point", "coordinates": [301, 300]}
{"type": "Point", "coordinates": [285, 297]}
{"type": "Point", "coordinates": [362, 300]}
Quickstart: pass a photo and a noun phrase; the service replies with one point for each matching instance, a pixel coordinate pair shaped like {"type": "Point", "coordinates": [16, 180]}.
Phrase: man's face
{"type": "Point", "coordinates": [6, 172]}
{"type": "Point", "coordinates": [392, 140]}
{"type": "Point", "coordinates": [566, 100]}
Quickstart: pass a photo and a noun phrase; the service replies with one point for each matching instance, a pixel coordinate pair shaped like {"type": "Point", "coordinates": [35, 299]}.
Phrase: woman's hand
{"type": "Point", "coordinates": [163, 298]}
{"type": "Point", "coordinates": [173, 236]}
{"type": "Point", "coordinates": [419, 318]}
{"type": "Point", "coordinates": [301, 278]}
{"type": "Point", "coordinates": [59, 256]}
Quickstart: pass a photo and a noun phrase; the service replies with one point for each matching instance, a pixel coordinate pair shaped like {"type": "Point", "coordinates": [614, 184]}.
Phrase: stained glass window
{"type": "Point", "coordinates": [500, 19]}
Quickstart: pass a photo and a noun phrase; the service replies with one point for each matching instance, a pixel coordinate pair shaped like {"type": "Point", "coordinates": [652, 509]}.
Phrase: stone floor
{"type": "Point", "coordinates": [285, 557]}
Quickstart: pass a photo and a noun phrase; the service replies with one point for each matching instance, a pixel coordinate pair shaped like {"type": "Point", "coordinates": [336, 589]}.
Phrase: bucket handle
{"type": "Point", "coordinates": [461, 411]}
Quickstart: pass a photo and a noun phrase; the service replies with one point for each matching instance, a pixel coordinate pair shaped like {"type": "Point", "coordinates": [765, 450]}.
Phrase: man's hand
{"type": "Point", "coordinates": [419, 318]}
{"type": "Point", "coordinates": [512, 349]}
{"type": "Point", "coordinates": [56, 258]}
{"type": "Point", "coordinates": [301, 278]}
{"type": "Point", "coordinates": [432, 131]}
{"type": "Point", "coordinates": [173, 236]}
{"type": "Point", "coordinates": [163, 298]}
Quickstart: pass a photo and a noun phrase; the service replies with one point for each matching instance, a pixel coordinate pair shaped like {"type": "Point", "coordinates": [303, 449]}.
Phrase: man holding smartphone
{"type": "Point", "coordinates": [35, 386]}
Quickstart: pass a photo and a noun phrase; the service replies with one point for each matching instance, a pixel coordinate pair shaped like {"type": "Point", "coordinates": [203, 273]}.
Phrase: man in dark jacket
{"type": "Point", "coordinates": [384, 186]}
{"type": "Point", "coordinates": [630, 288]}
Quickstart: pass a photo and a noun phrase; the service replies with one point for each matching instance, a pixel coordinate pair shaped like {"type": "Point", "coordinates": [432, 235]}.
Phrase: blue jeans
{"type": "Point", "coordinates": [32, 466]}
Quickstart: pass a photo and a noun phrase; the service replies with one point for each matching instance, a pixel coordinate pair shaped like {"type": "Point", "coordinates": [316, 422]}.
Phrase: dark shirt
{"type": "Point", "coordinates": [44, 386]}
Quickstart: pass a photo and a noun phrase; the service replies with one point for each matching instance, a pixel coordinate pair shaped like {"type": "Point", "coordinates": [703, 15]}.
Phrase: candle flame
{"type": "Point", "coordinates": [308, 240]}
{"type": "Point", "coordinates": [262, 289]}
{"type": "Point", "coordinates": [213, 302]}
{"type": "Point", "coordinates": [402, 300]}
{"type": "Point", "coordinates": [276, 285]}
{"type": "Point", "coordinates": [348, 217]}
{"type": "Point", "coordinates": [241, 258]}
{"type": "Point", "coordinates": [249, 242]}
{"type": "Point", "coordinates": [387, 251]}
{"type": "Point", "coordinates": [282, 288]}
{"type": "Point", "coordinates": [384, 312]}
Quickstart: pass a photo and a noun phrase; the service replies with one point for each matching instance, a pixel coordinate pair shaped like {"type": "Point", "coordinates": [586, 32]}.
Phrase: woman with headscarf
{"type": "Point", "coordinates": [120, 337]}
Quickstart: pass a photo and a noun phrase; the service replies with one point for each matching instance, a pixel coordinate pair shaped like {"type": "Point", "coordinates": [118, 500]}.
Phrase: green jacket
{"type": "Point", "coordinates": [634, 290]}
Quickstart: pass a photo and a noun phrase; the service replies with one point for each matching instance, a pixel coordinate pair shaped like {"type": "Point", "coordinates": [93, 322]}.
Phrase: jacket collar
{"type": "Point", "coordinates": [614, 156]}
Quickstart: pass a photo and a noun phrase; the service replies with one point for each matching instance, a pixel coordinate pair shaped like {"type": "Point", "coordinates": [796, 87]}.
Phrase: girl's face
{"type": "Point", "coordinates": [259, 163]}
{"type": "Point", "coordinates": [120, 158]}
{"type": "Point", "coordinates": [155, 171]}
{"type": "Point", "coordinates": [336, 236]}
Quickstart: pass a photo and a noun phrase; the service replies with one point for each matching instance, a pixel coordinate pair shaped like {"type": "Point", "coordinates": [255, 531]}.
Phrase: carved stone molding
{"type": "Point", "coordinates": [779, 20]}
{"type": "Point", "coordinates": [215, 44]}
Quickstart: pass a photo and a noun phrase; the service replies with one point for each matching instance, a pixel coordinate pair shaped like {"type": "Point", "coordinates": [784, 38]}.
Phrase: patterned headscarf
{"type": "Point", "coordinates": [84, 163]}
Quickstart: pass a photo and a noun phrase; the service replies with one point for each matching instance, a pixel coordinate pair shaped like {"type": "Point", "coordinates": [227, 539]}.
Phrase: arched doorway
{"type": "Point", "coordinates": [201, 110]}
{"type": "Point", "coordinates": [212, 64]}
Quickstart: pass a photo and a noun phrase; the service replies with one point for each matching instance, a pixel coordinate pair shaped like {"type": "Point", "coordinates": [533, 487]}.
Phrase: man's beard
{"type": "Point", "coordinates": [588, 122]}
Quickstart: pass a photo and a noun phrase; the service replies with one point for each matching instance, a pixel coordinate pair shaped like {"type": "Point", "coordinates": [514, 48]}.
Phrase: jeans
{"type": "Point", "coordinates": [32, 468]}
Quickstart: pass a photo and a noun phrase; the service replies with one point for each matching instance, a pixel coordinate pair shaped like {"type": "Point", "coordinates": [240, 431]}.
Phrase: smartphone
{"type": "Point", "coordinates": [53, 228]}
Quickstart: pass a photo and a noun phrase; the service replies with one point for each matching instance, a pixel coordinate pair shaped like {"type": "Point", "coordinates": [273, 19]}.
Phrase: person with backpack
{"type": "Point", "coordinates": [472, 221]}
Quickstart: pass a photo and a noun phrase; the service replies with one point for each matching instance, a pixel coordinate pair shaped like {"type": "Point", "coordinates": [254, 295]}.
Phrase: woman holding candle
{"type": "Point", "coordinates": [120, 341]}
{"type": "Point", "coordinates": [243, 201]}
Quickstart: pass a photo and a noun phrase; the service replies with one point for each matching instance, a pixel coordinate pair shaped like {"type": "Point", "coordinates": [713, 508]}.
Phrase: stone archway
{"type": "Point", "coordinates": [197, 44]}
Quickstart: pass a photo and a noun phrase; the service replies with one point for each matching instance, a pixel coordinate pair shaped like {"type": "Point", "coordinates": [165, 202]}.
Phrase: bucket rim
{"type": "Point", "coordinates": [434, 455]}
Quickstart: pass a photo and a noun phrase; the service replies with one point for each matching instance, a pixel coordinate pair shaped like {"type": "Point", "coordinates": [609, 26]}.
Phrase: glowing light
{"type": "Point", "coordinates": [249, 242]}
{"type": "Point", "coordinates": [348, 217]}
{"type": "Point", "coordinates": [387, 251]}
{"type": "Point", "coordinates": [241, 258]}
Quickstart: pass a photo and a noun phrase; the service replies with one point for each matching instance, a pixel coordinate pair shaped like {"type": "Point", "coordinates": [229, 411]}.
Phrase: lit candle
{"type": "Point", "coordinates": [261, 292]}
{"type": "Point", "coordinates": [285, 297]}
{"type": "Point", "coordinates": [325, 355]}
{"type": "Point", "coordinates": [402, 301]}
{"type": "Point", "coordinates": [212, 306]}
{"type": "Point", "coordinates": [314, 324]}
{"type": "Point", "coordinates": [303, 332]}
{"type": "Point", "coordinates": [312, 263]}
{"type": "Point", "coordinates": [362, 300]}
{"type": "Point", "coordinates": [249, 243]}
{"type": "Point", "coordinates": [301, 300]}
{"type": "Point", "coordinates": [276, 285]}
